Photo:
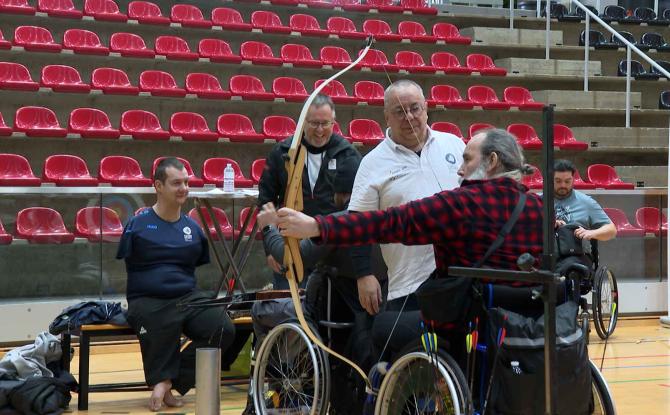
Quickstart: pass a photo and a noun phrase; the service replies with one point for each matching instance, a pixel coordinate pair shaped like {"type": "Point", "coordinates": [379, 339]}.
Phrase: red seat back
{"type": "Point", "coordinates": [408, 58]}
{"type": "Point", "coordinates": [374, 57]}
{"type": "Point", "coordinates": [278, 126]}
{"type": "Point", "coordinates": [333, 89]}
{"type": "Point", "coordinates": [220, 216]}
{"type": "Point", "coordinates": [58, 7]}
{"type": "Point", "coordinates": [334, 55]}
{"type": "Point", "coordinates": [292, 52]}
{"type": "Point", "coordinates": [265, 19]}
{"type": "Point", "coordinates": [303, 21]}
{"type": "Point", "coordinates": [235, 124]}
{"type": "Point", "coordinates": [478, 61]}
{"type": "Point", "coordinates": [97, 7]}
{"type": "Point", "coordinates": [33, 35]}
{"type": "Point", "coordinates": [368, 90]}
{"type": "Point", "coordinates": [146, 11]}
{"type": "Point", "coordinates": [84, 119]}
{"type": "Point", "coordinates": [447, 127]}
{"type": "Point", "coordinates": [64, 166]}
{"type": "Point", "coordinates": [35, 221]}
{"type": "Point", "coordinates": [60, 75]}
{"type": "Point", "coordinates": [182, 123]}
{"type": "Point", "coordinates": [15, 170]}
{"type": "Point", "coordinates": [376, 27]}
{"type": "Point", "coordinates": [140, 121]}
{"type": "Point", "coordinates": [120, 167]}
{"type": "Point", "coordinates": [14, 73]}
{"type": "Point", "coordinates": [478, 126]}
{"type": "Point", "coordinates": [535, 180]}
{"type": "Point", "coordinates": [215, 48]}
{"type": "Point", "coordinates": [602, 175]}
{"type": "Point", "coordinates": [80, 38]}
{"type": "Point", "coordinates": [252, 49]}
{"type": "Point", "coordinates": [444, 60]}
{"type": "Point", "coordinates": [202, 82]}
{"type": "Point", "coordinates": [651, 219]}
{"type": "Point", "coordinates": [287, 86]}
{"type": "Point", "coordinates": [28, 118]}
{"type": "Point", "coordinates": [109, 77]}
{"type": "Point", "coordinates": [171, 44]}
{"type": "Point", "coordinates": [363, 130]}
{"type": "Point", "coordinates": [98, 223]}
{"type": "Point", "coordinates": [445, 31]}
{"type": "Point", "coordinates": [523, 132]}
{"type": "Point", "coordinates": [127, 42]}
{"type": "Point", "coordinates": [257, 167]}
{"type": "Point", "coordinates": [482, 94]}
{"type": "Point", "coordinates": [445, 93]}
{"type": "Point", "coordinates": [240, 84]}
{"type": "Point", "coordinates": [409, 28]}
{"type": "Point", "coordinates": [517, 95]}
{"type": "Point", "coordinates": [155, 80]}
{"type": "Point", "coordinates": [192, 179]}
{"type": "Point", "coordinates": [16, 7]}
{"type": "Point", "coordinates": [188, 14]}
{"type": "Point", "coordinates": [226, 15]}
{"type": "Point", "coordinates": [338, 24]}
{"type": "Point", "coordinates": [212, 170]}
{"type": "Point", "coordinates": [243, 217]}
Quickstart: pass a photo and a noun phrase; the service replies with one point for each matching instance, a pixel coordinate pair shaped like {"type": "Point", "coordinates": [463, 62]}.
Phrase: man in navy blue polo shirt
{"type": "Point", "coordinates": [162, 247]}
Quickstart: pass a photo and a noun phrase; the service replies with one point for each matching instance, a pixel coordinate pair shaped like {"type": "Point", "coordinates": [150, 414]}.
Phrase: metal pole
{"type": "Point", "coordinates": [587, 37]}
{"type": "Point", "coordinates": [628, 87]}
{"type": "Point", "coordinates": [511, 14]}
{"type": "Point", "coordinates": [208, 381]}
{"type": "Point", "coordinates": [537, 9]}
{"type": "Point", "coordinates": [666, 319]}
{"type": "Point", "coordinates": [598, 6]}
{"type": "Point", "coordinates": [656, 7]}
{"type": "Point", "coordinates": [548, 32]}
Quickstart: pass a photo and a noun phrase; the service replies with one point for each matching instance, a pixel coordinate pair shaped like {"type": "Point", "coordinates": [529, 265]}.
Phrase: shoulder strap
{"type": "Point", "coordinates": [505, 230]}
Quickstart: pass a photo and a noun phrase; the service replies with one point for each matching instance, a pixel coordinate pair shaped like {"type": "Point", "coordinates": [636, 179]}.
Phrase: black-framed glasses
{"type": "Point", "coordinates": [323, 124]}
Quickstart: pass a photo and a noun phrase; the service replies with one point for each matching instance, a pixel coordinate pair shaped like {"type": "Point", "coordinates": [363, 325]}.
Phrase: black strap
{"type": "Point", "coordinates": [505, 230]}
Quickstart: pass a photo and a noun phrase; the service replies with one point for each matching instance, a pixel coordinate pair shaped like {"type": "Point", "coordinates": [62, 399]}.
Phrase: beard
{"type": "Point", "coordinates": [478, 174]}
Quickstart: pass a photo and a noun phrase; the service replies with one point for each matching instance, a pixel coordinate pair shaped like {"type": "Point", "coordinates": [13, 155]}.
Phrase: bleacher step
{"type": "Point", "coordinates": [644, 176]}
{"type": "Point", "coordinates": [621, 137]}
{"type": "Point", "coordinates": [527, 66]}
{"type": "Point", "coordinates": [502, 36]}
{"type": "Point", "coordinates": [588, 100]}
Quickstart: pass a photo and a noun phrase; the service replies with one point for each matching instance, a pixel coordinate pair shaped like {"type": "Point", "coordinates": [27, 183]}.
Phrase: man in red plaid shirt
{"type": "Point", "coordinates": [461, 223]}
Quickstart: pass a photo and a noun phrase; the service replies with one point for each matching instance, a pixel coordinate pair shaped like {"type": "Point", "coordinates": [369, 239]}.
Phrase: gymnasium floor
{"type": "Point", "coordinates": [636, 365]}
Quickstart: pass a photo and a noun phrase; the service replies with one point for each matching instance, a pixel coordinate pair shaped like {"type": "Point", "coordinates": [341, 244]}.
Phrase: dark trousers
{"type": "Point", "coordinates": [407, 329]}
{"type": "Point", "coordinates": [159, 325]}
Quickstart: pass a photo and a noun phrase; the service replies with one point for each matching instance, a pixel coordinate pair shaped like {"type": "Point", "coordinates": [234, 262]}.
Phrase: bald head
{"type": "Point", "coordinates": [405, 114]}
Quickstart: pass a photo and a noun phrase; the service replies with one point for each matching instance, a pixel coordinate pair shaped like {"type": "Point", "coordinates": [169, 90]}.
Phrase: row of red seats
{"type": "Point", "coordinates": [525, 134]}
{"type": "Point", "coordinates": [599, 176]}
{"type": "Point", "coordinates": [187, 14]}
{"type": "Point", "coordinates": [42, 225]}
{"type": "Point", "coordinates": [69, 170]}
{"type": "Point", "coordinates": [649, 220]}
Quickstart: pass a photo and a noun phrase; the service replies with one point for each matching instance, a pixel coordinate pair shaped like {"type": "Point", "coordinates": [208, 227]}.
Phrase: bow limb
{"type": "Point", "coordinates": [293, 199]}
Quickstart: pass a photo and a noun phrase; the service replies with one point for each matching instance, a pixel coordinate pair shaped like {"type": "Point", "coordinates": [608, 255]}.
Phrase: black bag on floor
{"type": "Point", "coordinates": [518, 382]}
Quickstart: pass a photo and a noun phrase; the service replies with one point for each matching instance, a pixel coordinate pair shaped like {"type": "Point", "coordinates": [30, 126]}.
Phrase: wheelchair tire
{"type": "Point", "coordinates": [418, 370]}
{"type": "Point", "coordinates": [605, 302]}
{"type": "Point", "coordinates": [290, 374]}
{"type": "Point", "coordinates": [602, 398]}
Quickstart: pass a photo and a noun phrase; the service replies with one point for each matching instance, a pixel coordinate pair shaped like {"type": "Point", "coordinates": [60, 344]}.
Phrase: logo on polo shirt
{"type": "Point", "coordinates": [187, 234]}
{"type": "Point", "coordinates": [152, 226]}
{"type": "Point", "coordinates": [451, 159]}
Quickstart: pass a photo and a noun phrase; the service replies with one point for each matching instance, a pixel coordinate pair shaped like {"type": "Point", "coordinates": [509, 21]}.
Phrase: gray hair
{"type": "Point", "coordinates": [320, 100]}
{"type": "Point", "coordinates": [510, 154]}
{"type": "Point", "coordinates": [390, 99]}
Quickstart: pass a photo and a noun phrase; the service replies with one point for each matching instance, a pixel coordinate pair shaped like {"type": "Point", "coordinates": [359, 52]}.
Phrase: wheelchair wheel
{"type": "Point", "coordinates": [416, 384]}
{"type": "Point", "coordinates": [605, 302]}
{"type": "Point", "coordinates": [602, 398]}
{"type": "Point", "coordinates": [291, 375]}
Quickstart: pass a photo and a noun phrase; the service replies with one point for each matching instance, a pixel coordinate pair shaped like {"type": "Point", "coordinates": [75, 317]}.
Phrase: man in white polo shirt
{"type": "Point", "coordinates": [412, 162]}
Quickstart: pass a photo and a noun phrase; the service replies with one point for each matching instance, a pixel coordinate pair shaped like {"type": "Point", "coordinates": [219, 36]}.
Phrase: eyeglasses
{"type": "Point", "coordinates": [414, 109]}
{"type": "Point", "coordinates": [323, 124]}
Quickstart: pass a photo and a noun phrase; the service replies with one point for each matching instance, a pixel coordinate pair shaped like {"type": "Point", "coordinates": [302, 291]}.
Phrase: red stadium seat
{"type": "Point", "coordinates": [238, 129]}
{"type": "Point", "coordinates": [380, 30]}
{"type": "Point", "coordinates": [67, 170]}
{"type": "Point", "coordinates": [112, 81]}
{"type": "Point", "coordinates": [59, 8]}
{"type": "Point", "coordinates": [652, 220]}
{"type": "Point", "coordinates": [285, 2]}
{"type": "Point", "coordinates": [415, 32]}
{"type": "Point", "coordinates": [478, 126]}
{"type": "Point", "coordinates": [278, 127]}
{"type": "Point", "coordinates": [5, 238]}
{"type": "Point", "coordinates": [484, 65]}
{"type": "Point", "coordinates": [306, 24]}
{"type": "Point", "coordinates": [385, 6]}
{"type": "Point", "coordinates": [318, 4]}
{"type": "Point", "coordinates": [449, 97]}
{"type": "Point", "coordinates": [259, 53]}
{"type": "Point", "coordinates": [565, 139]}
{"type": "Point", "coordinates": [142, 125]}
{"type": "Point", "coordinates": [623, 227]}
{"type": "Point", "coordinates": [268, 22]}
{"type": "Point", "coordinates": [291, 89]}
{"type": "Point", "coordinates": [448, 63]}
{"type": "Point", "coordinates": [250, 226]}
{"type": "Point", "coordinates": [418, 7]}
{"type": "Point", "coordinates": [63, 78]}
{"type": "Point", "coordinates": [520, 97]}
{"type": "Point", "coordinates": [604, 176]}
{"type": "Point", "coordinates": [212, 172]}
{"type": "Point", "coordinates": [15, 171]}
{"type": "Point", "coordinates": [16, 76]}
{"type": "Point", "coordinates": [447, 127]}
{"type": "Point", "coordinates": [335, 56]}
{"type": "Point", "coordinates": [161, 84]}
{"type": "Point", "coordinates": [205, 85]}
{"type": "Point", "coordinates": [84, 42]}
{"type": "Point", "coordinates": [366, 131]}
{"type": "Point", "coordinates": [193, 180]}
{"type": "Point", "coordinates": [257, 167]}
{"type": "Point", "coordinates": [129, 44]}
{"type": "Point", "coordinates": [535, 180]}
{"type": "Point", "coordinates": [377, 61]}
{"type": "Point", "coordinates": [35, 38]}
{"type": "Point", "coordinates": [98, 224]}
{"type": "Point", "coordinates": [41, 225]}
{"type": "Point", "coordinates": [217, 50]}
{"type": "Point", "coordinates": [104, 10]}
{"type": "Point", "coordinates": [122, 171]}
{"type": "Point", "coordinates": [299, 55]}
{"type": "Point", "coordinates": [38, 122]}
{"type": "Point", "coordinates": [525, 136]}
{"type": "Point", "coordinates": [4, 129]}
{"type": "Point", "coordinates": [352, 5]}
{"type": "Point", "coordinates": [249, 87]}
{"type": "Point", "coordinates": [174, 47]}
{"type": "Point", "coordinates": [221, 218]}
{"type": "Point", "coordinates": [412, 62]}
{"type": "Point", "coordinates": [229, 19]}
{"type": "Point", "coordinates": [16, 7]}
{"type": "Point", "coordinates": [344, 28]}
{"type": "Point", "coordinates": [450, 34]}
{"type": "Point", "coordinates": [485, 97]}
{"type": "Point", "coordinates": [579, 183]}
{"type": "Point", "coordinates": [191, 126]}
{"type": "Point", "coordinates": [338, 130]}
{"type": "Point", "coordinates": [337, 92]}
{"type": "Point", "coordinates": [91, 123]}
{"type": "Point", "coordinates": [146, 12]}
{"type": "Point", "coordinates": [370, 92]}
{"type": "Point", "coordinates": [4, 43]}
{"type": "Point", "coordinates": [189, 15]}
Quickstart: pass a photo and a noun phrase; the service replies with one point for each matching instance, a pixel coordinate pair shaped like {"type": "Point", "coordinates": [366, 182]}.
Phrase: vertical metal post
{"type": "Point", "coordinates": [627, 86]}
{"type": "Point", "coordinates": [537, 9]}
{"type": "Point", "coordinates": [587, 37]}
{"type": "Point", "coordinates": [208, 381]}
{"type": "Point", "coordinates": [548, 31]}
{"type": "Point", "coordinates": [656, 7]}
{"type": "Point", "coordinates": [511, 14]}
{"type": "Point", "coordinates": [666, 319]}
{"type": "Point", "coordinates": [598, 6]}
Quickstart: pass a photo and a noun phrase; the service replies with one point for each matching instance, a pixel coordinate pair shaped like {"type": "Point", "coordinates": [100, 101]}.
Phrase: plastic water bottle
{"type": "Point", "coordinates": [516, 369]}
{"type": "Point", "coordinates": [228, 179]}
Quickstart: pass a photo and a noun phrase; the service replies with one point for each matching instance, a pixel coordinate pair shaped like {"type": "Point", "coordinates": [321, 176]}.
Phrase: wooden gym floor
{"type": "Point", "coordinates": [636, 366]}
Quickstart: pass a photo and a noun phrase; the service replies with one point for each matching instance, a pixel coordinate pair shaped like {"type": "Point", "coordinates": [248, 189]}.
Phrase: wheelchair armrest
{"type": "Point", "coordinates": [336, 325]}
{"type": "Point", "coordinates": [578, 268]}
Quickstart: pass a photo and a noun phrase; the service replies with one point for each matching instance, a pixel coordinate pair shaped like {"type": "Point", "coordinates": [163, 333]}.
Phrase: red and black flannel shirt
{"type": "Point", "coordinates": [461, 224]}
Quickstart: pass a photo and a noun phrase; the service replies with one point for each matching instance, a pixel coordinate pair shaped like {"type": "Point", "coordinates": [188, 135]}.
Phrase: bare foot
{"type": "Point", "coordinates": [158, 395]}
{"type": "Point", "coordinates": [172, 401]}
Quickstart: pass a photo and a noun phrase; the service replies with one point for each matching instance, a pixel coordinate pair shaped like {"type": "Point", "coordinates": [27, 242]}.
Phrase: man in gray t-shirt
{"type": "Point", "coordinates": [574, 207]}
